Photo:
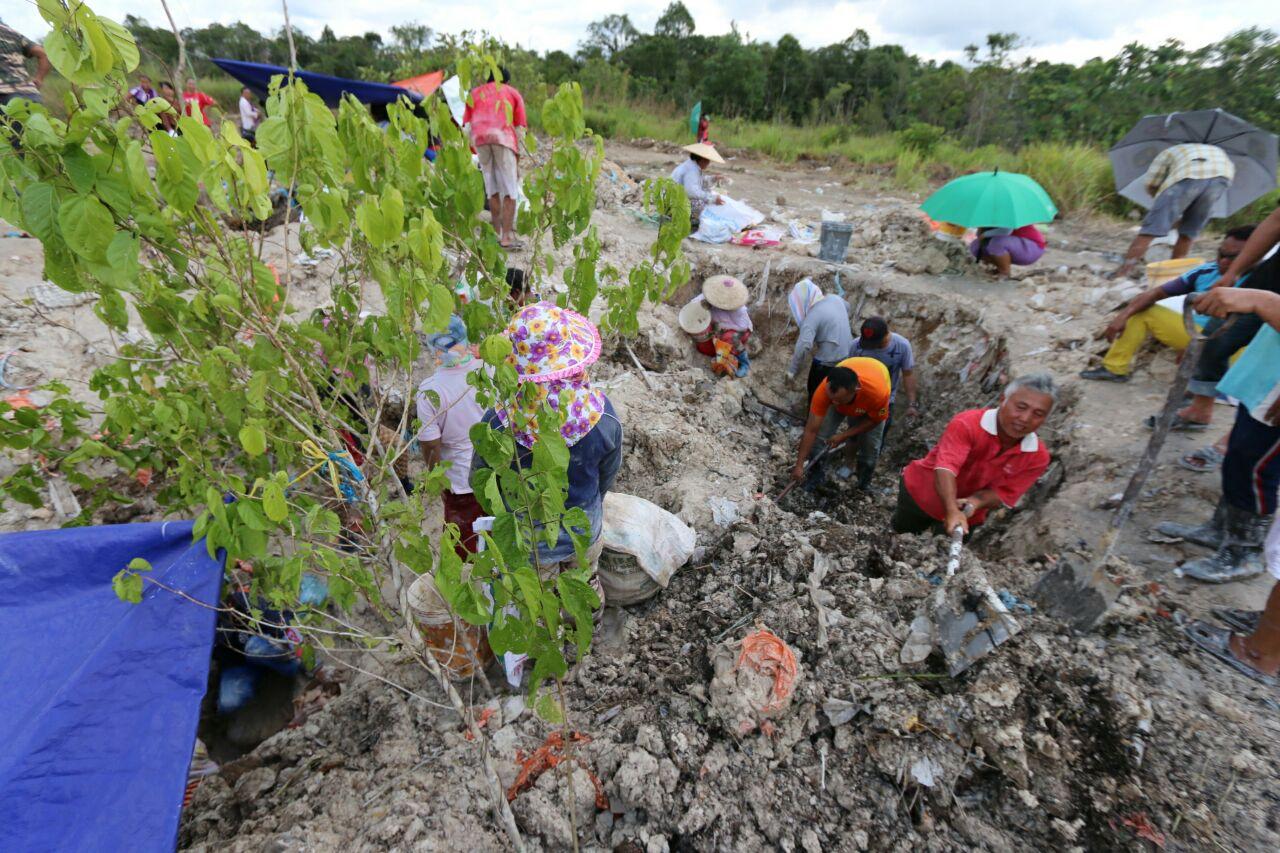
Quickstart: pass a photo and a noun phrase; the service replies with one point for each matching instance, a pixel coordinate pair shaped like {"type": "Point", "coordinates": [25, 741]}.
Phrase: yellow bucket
{"type": "Point", "coordinates": [1158, 272]}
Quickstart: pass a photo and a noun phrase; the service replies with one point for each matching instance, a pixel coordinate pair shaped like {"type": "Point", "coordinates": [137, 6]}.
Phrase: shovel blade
{"type": "Point", "coordinates": [968, 634]}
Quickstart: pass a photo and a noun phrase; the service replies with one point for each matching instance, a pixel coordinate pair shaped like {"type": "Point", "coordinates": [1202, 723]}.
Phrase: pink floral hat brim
{"type": "Point", "coordinates": [549, 342]}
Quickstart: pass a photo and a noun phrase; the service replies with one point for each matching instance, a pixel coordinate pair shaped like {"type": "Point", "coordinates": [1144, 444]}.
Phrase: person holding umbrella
{"type": "Point", "coordinates": [1003, 206]}
{"type": "Point", "coordinates": [1188, 168]}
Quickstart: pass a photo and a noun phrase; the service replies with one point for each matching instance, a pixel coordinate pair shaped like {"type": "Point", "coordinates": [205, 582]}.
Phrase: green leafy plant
{"type": "Point", "coordinates": [239, 403]}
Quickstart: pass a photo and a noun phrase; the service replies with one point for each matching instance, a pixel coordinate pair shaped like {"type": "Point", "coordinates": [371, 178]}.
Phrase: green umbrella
{"type": "Point", "coordinates": [695, 115]}
{"type": "Point", "coordinates": [991, 200]}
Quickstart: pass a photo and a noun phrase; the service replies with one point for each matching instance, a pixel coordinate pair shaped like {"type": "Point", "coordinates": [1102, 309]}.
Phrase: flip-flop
{"type": "Point", "coordinates": [1216, 641]}
{"type": "Point", "coordinates": [513, 246]}
{"type": "Point", "coordinates": [1241, 621]}
{"type": "Point", "coordinates": [1180, 424]}
{"type": "Point", "coordinates": [1206, 460]}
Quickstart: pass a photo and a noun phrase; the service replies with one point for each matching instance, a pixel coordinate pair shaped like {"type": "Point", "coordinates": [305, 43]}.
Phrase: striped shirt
{"type": "Point", "coordinates": [1187, 161]}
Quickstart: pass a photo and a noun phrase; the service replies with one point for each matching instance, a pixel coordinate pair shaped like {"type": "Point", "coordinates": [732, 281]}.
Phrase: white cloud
{"type": "Point", "coordinates": [1061, 30]}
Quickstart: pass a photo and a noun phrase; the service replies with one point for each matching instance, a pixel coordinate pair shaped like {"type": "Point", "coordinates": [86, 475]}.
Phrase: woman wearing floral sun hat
{"type": "Point", "coordinates": [552, 348]}
{"type": "Point", "coordinates": [719, 323]}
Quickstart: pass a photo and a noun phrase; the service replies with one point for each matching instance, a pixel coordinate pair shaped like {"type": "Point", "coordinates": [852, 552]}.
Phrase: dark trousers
{"type": "Point", "coordinates": [908, 517]}
{"type": "Point", "coordinates": [818, 371]}
{"type": "Point", "coordinates": [1251, 471]}
{"type": "Point", "coordinates": [1215, 358]}
{"type": "Point", "coordinates": [462, 510]}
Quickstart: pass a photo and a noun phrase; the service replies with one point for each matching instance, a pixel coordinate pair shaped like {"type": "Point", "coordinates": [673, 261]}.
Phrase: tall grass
{"type": "Point", "coordinates": [1077, 177]}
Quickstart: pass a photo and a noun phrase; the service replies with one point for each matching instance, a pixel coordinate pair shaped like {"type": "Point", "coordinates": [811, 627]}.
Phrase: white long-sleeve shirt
{"type": "Point", "coordinates": [689, 176]}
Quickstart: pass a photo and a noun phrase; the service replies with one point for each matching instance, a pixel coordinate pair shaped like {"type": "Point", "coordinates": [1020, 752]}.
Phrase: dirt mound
{"type": "Point", "coordinates": [615, 188]}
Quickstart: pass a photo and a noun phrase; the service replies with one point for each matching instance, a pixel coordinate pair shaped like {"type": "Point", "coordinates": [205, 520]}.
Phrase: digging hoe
{"type": "Point", "coordinates": [1081, 594]}
{"type": "Point", "coordinates": [809, 468]}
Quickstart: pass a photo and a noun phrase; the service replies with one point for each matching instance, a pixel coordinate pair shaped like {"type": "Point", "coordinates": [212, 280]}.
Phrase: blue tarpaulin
{"type": "Point", "coordinates": [257, 77]}
{"type": "Point", "coordinates": [99, 698]}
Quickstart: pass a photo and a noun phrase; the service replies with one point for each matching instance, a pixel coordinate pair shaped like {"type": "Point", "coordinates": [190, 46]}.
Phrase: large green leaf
{"type": "Point", "coordinates": [39, 210]}
{"type": "Point", "coordinates": [87, 226]}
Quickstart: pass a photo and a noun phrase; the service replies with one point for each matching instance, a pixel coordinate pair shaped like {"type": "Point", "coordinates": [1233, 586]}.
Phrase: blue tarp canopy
{"type": "Point", "coordinates": [257, 77]}
{"type": "Point", "coordinates": [99, 698]}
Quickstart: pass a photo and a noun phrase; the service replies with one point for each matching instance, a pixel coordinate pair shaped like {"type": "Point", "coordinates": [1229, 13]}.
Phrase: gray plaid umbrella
{"type": "Point", "coordinates": [1253, 150]}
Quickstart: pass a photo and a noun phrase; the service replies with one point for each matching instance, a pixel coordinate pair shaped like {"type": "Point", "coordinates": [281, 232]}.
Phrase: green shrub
{"type": "Point", "coordinates": [909, 170]}
{"type": "Point", "coordinates": [921, 138]}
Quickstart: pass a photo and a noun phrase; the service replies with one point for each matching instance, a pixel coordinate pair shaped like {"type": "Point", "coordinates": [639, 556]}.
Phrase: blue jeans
{"type": "Point", "coordinates": [1251, 471]}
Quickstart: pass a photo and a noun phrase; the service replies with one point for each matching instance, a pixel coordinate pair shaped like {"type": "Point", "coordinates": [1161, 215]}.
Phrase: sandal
{"type": "Point", "coordinates": [1206, 460]}
{"type": "Point", "coordinates": [1180, 424]}
{"type": "Point", "coordinates": [1217, 642]}
{"type": "Point", "coordinates": [1240, 621]}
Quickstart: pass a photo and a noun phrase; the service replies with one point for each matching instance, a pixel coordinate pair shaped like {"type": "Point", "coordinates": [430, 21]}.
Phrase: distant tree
{"type": "Point", "coordinates": [610, 34]}
{"type": "Point", "coordinates": [558, 66]}
{"type": "Point", "coordinates": [676, 22]}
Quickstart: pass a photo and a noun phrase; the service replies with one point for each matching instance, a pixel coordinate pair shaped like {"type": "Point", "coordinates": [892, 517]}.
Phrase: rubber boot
{"type": "Point", "coordinates": [1208, 534]}
{"type": "Point", "coordinates": [865, 472]}
{"type": "Point", "coordinates": [1239, 556]}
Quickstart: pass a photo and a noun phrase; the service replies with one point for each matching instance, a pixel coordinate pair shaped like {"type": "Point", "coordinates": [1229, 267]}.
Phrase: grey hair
{"type": "Point", "coordinates": [1041, 383]}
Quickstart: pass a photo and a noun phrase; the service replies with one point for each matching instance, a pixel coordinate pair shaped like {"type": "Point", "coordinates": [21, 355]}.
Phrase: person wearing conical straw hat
{"type": "Point", "coordinates": [690, 175]}
{"type": "Point", "coordinates": [720, 325]}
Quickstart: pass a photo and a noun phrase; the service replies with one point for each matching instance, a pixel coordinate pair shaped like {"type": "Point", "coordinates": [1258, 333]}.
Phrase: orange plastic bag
{"type": "Point", "coordinates": [765, 653]}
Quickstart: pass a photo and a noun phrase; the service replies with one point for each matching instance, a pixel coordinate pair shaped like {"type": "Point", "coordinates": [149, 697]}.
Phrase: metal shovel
{"type": "Point", "coordinates": [966, 624]}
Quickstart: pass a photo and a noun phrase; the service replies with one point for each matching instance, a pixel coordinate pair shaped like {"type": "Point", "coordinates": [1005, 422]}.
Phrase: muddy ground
{"type": "Point", "coordinates": [1039, 745]}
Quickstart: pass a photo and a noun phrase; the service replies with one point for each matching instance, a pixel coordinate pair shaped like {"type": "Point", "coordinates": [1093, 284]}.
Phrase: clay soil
{"type": "Point", "coordinates": [1120, 738]}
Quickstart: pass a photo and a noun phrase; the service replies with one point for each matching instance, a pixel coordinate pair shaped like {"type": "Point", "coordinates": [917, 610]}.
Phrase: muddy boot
{"type": "Point", "coordinates": [1240, 555]}
{"type": "Point", "coordinates": [1208, 534]}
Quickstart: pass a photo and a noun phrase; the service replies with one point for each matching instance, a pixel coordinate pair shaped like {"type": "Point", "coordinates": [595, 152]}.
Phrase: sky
{"type": "Point", "coordinates": [1056, 30]}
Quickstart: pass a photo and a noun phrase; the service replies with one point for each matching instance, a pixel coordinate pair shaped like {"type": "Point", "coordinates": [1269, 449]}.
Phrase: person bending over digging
{"type": "Point", "coordinates": [1185, 181]}
{"type": "Point", "coordinates": [1250, 479]}
{"type": "Point", "coordinates": [986, 458]}
{"type": "Point", "coordinates": [824, 331]}
{"type": "Point", "coordinates": [855, 394]}
{"type": "Point", "coordinates": [1145, 315]}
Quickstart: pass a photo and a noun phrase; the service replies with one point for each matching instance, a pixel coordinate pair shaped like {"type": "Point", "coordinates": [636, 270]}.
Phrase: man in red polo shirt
{"type": "Point", "coordinates": [856, 393]}
{"type": "Point", "coordinates": [986, 458]}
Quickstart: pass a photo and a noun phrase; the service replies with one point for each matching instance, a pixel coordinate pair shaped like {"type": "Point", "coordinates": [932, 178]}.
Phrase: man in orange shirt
{"type": "Point", "coordinates": [855, 394]}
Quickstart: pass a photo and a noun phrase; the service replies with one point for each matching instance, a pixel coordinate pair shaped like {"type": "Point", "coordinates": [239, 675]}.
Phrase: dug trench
{"type": "Point", "coordinates": [1054, 740]}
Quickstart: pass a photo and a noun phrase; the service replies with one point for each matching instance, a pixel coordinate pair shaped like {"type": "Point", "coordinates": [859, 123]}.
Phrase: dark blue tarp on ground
{"type": "Point", "coordinates": [257, 77]}
{"type": "Point", "coordinates": [99, 698]}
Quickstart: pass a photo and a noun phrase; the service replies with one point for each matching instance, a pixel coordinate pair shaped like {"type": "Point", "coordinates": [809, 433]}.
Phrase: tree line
{"type": "Point", "coordinates": [988, 99]}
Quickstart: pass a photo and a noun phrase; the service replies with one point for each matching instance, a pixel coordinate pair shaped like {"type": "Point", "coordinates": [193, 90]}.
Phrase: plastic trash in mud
{"type": "Point", "coordinates": [724, 512]}
{"type": "Point", "coordinates": [657, 541]}
{"type": "Point", "coordinates": [754, 681]}
{"type": "Point", "coordinates": [801, 234]}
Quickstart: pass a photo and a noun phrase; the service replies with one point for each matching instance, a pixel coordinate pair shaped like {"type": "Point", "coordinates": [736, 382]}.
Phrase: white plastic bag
{"type": "Point", "coordinates": [659, 541]}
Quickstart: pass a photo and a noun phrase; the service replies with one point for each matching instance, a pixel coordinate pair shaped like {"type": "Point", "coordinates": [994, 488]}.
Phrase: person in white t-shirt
{"type": "Point", "coordinates": [447, 409]}
{"type": "Point", "coordinates": [250, 115]}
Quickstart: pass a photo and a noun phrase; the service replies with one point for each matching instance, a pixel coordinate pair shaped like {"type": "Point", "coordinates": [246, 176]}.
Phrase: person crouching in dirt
{"type": "Point", "coordinates": [1001, 248]}
{"type": "Point", "coordinates": [447, 410]}
{"type": "Point", "coordinates": [553, 349]}
{"type": "Point", "coordinates": [1250, 480]}
{"type": "Point", "coordinates": [690, 176]}
{"type": "Point", "coordinates": [985, 458]}
{"type": "Point", "coordinates": [856, 394]}
{"type": "Point", "coordinates": [720, 325]}
{"type": "Point", "coordinates": [824, 331]}
{"type": "Point", "coordinates": [1251, 469]}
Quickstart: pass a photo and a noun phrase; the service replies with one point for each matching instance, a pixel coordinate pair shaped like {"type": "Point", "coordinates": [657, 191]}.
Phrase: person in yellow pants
{"type": "Point", "coordinates": [1144, 315]}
